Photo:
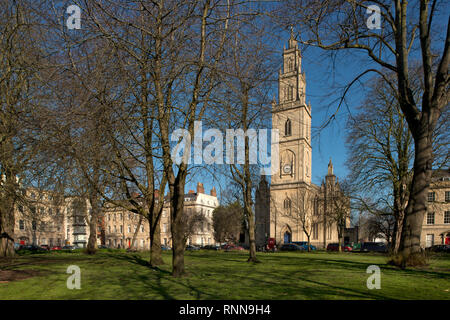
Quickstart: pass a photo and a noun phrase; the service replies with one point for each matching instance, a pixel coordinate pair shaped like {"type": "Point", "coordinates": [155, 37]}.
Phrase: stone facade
{"type": "Point", "coordinates": [436, 222]}
{"type": "Point", "coordinates": [194, 203]}
{"type": "Point", "coordinates": [53, 220]}
{"type": "Point", "coordinates": [40, 219]}
{"type": "Point", "coordinates": [277, 207]}
{"type": "Point", "coordinates": [121, 224]}
{"type": "Point", "coordinates": [49, 218]}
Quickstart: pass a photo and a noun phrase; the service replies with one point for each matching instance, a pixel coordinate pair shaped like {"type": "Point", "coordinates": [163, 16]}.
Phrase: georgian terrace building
{"type": "Point", "coordinates": [53, 220]}
{"type": "Point", "coordinates": [436, 224]}
{"type": "Point", "coordinates": [120, 225]}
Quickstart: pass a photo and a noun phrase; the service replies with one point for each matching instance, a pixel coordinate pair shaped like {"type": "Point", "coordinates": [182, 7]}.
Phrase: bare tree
{"type": "Point", "coordinates": [383, 225]}
{"type": "Point", "coordinates": [381, 150]}
{"type": "Point", "coordinates": [169, 51]}
{"type": "Point", "coordinates": [207, 44]}
{"type": "Point", "coordinates": [193, 223]}
{"type": "Point", "coordinates": [305, 212]}
{"type": "Point", "coordinates": [78, 123]}
{"type": "Point", "coordinates": [243, 108]}
{"type": "Point", "coordinates": [227, 222]}
{"type": "Point", "coordinates": [339, 212]}
{"type": "Point", "coordinates": [134, 165]}
{"type": "Point", "coordinates": [20, 126]}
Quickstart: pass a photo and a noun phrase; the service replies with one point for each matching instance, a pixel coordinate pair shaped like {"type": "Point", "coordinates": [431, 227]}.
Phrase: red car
{"type": "Point", "coordinates": [56, 248]}
{"type": "Point", "coordinates": [335, 247]}
{"type": "Point", "coordinates": [230, 247]}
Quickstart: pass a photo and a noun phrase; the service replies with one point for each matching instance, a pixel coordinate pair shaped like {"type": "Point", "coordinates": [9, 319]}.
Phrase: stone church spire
{"type": "Point", "coordinates": [292, 41]}
{"type": "Point", "coordinates": [330, 168]}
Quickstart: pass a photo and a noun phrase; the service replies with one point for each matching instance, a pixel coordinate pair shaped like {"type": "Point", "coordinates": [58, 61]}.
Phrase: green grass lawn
{"type": "Point", "coordinates": [223, 275]}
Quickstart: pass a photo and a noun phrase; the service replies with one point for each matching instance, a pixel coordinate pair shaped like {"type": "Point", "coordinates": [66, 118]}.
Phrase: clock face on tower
{"type": "Point", "coordinates": [287, 160]}
{"type": "Point", "coordinates": [287, 169]}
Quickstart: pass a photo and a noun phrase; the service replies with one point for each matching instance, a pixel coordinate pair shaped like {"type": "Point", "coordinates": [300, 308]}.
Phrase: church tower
{"type": "Point", "coordinates": [292, 117]}
{"type": "Point", "coordinates": [281, 206]}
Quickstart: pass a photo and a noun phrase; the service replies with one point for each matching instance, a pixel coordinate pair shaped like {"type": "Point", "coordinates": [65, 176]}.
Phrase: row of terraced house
{"type": "Point", "coordinates": [50, 219]}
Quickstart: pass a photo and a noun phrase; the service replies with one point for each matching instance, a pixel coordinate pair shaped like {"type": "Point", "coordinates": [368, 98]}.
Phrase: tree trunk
{"type": "Point", "coordinates": [251, 236]}
{"type": "Point", "coordinates": [7, 222]}
{"type": "Point", "coordinates": [6, 238]}
{"type": "Point", "coordinates": [339, 240]}
{"type": "Point", "coordinates": [133, 240]}
{"type": "Point", "coordinates": [410, 252]}
{"type": "Point", "coordinates": [395, 242]}
{"type": "Point", "coordinates": [247, 181]}
{"type": "Point", "coordinates": [155, 242]}
{"type": "Point", "coordinates": [400, 199]}
{"type": "Point", "coordinates": [177, 229]}
{"type": "Point", "coordinates": [92, 242]}
{"type": "Point", "coordinates": [309, 242]}
{"type": "Point", "coordinates": [396, 237]}
{"type": "Point", "coordinates": [178, 251]}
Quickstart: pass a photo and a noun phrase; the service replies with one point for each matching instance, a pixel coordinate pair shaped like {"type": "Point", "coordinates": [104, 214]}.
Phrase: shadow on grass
{"type": "Point", "coordinates": [161, 275]}
{"type": "Point", "coordinates": [38, 259]}
{"type": "Point", "coordinates": [363, 265]}
{"type": "Point", "coordinates": [330, 289]}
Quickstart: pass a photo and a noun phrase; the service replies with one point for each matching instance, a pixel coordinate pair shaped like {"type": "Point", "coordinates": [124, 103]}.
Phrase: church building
{"type": "Point", "coordinates": [292, 207]}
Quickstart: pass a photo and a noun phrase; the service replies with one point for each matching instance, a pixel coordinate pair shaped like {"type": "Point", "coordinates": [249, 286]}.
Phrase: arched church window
{"type": "Point", "coordinates": [291, 64]}
{"type": "Point", "coordinates": [287, 128]}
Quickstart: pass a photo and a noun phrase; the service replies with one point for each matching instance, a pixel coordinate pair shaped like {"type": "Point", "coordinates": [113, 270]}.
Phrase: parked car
{"type": "Point", "coordinates": [69, 248]}
{"type": "Point", "coordinates": [335, 247]}
{"type": "Point", "coordinates": [304, 245]}
{"type": "Point", "coordinates": [291, 247]}
{"type": "Point", "coordinates": [45, 246]}
{"type": "Point", "coordinates": [373, 247]}
{"type": "Point", "coordinates": [192, 248]}
{"type": "Point", "coordinates": [165, 248]}
{"type": "Point", "coordinates": [56, 248]}
{"type": "Point", "coordinates": [439, 248]}
{"type": "Point", "coordinates": [32, 247]}
{"type": "Point", "coordinates": [231, 247]}
{"type": "Point", "coordinates": [211, 247]}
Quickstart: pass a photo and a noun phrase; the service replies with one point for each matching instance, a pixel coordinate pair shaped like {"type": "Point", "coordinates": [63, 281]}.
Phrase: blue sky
{"type": "Point", "coordinates": [325, 81]}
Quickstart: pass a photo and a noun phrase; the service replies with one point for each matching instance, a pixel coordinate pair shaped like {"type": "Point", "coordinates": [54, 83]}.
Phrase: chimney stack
{"type": "Point", "coordinates": [213, 192]}
{"type": "Point", "coordinates": [200, 188]}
